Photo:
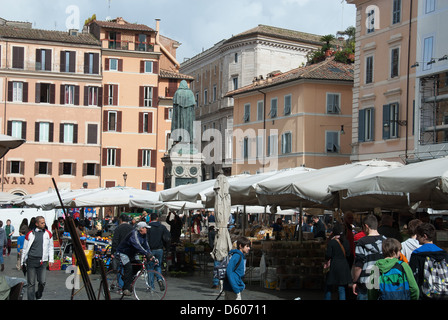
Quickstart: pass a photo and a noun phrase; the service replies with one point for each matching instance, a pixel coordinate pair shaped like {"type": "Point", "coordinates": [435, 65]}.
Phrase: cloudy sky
{"type": "Point", "coordinates": [196, 24]}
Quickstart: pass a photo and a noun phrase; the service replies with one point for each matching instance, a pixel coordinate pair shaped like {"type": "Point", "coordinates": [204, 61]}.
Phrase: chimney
{"type": "Point", "coordinates": [157, 30]}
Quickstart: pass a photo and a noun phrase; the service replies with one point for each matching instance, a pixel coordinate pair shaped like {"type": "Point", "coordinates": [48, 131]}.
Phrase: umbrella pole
{"type": "Point", "coordinates": [300, 222]}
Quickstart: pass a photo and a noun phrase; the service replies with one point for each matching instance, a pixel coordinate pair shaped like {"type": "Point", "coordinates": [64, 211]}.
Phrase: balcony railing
{"type": "Point", "coordinates": [128, 45]}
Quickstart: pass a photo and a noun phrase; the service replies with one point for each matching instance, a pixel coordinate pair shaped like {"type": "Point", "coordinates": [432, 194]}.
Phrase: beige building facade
{"type": "Point", "coordinates": [297, 118]}
{"type": "Point", "coordinates": [384, 87]}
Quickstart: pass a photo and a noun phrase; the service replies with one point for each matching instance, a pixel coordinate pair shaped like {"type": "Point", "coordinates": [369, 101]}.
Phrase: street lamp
{"type": "Point", "coordinates": [125, 176]}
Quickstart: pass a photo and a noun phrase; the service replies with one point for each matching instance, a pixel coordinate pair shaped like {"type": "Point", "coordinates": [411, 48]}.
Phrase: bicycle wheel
{"type": "Point", "coordinates": [115, 283]}
{"type": "Point", "coordinates": [149, 285]}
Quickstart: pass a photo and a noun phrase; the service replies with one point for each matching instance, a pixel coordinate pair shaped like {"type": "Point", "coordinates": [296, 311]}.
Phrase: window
{"type": "Point", "coordinates": [92, 96]}
{"type": "Point", "coordinates": [260, 146]}
{"type": "Point", "coordinates": [67, 168]}
{"type": "Point", "coordinates": [247, 112]}
{"type": "Point", "coordinates": [113, 64]}
{"type": "Point", "coordinates": [369, 69]}
{"type": "Point", "coordinates": [16, 167]}
{"type": "Point", "coordinates": [145, 122]}
{"type": "Point", "coordinates": [111, 157]}
{"type": "Point", "coordinates": [68, 61]}
{"type": "Point", "coordinates": [44, 131]}
{"type": "Point", "coordinates": [92, 133]}
{"type": "Point", "coordinates": [148, 66]}
{"type": "Point", "coordinates": [332, 141]}
{"type": "Point", "coordinates": [69, 94]}
{"type": "Point", "coordinates": [69, 133]}
{"type": "Point", "coordinates": [427, 53]}
{"type": "Point", "coordinates": [214, 93]}
{"type": "Point", "coordinates": [113, 40]}
{"type": "Point", "coordinates": [287, 105]}
{"type": "Point", "coordinates": [246, 148]}
{"type": "Point", "coordinates": [394, 62]}
{"type": "Point", "coordinates": [235, 58]}
{"type": "Point", "coordinates": [112, 94]}
{"type": "Point", "coordinates": [147, 96]}
{"type": "Point", "coordinates": [90, 169]}
{"type": "Point", "coordinates": [260, 110]}
{"type": "Point", "coordinates": [371, 21]}
{"type": "Point", "coordinates": [390, 121]}
{"type": "Point", "coordinates": [273, 112]}
{"type": "Point", "coordinates": [366, 125]}
{"type": "Point", "coordinates": [91, 63]}
{"type": "Point", "coordinates": [396, 12]}
{"type": "Point", "coordinates": [146, 158]}
{"type": "Point", "coordinates": [205, 96]}
{"type": "Point", "coordinates": [272, 149]}
{"type": "Point", "coordinates": [141, 43]}
{"type": "Point", "coordinates": [430, 6]}
{"type": "Point", "coordinates": [235, 83]}
{"type": "Point", "coordinates": [43, 59]}
{"type": "Point", "coordinates": [17, 89]}
{"type": "Point", "coordinates": [333, 103]}
{"type": "Point", "coordinates": [43, 167]}
{"type": "Point", "coordinates": [286, 142]}
{"type": "Point", "coordinates": [112, 120]}
{"type": "Point", "coordinates": [45, 93]}
{"type": "Point", "coordinates": [16, 128]}
{"type": "Point", "coordinates": [151, 186]}
{"type": "Point", "coordinates": [18, 57]}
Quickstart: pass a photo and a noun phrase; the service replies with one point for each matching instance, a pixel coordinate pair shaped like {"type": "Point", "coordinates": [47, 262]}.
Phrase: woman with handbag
{"type": "Point", "coordinates": [338, 274]}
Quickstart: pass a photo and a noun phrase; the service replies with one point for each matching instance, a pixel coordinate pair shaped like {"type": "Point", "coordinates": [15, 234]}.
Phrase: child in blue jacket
{"type": "Point", "coordinates": [233, 284]}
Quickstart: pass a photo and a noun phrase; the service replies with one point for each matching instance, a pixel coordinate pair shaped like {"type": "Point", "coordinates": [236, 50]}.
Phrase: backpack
{"type": "Point", "coordinates": [220, 270]}
{"type": "Point", "coordinates": [394, 284]}
{"type": "Point", "coordinates": [435, 278]}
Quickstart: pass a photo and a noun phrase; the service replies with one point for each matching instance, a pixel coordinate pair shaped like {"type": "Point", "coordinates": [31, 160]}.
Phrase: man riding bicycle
{"type": "Point", "coordinates": [133, 244]}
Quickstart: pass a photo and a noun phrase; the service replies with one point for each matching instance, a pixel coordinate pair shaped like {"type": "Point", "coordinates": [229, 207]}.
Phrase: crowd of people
{"type": "Point", "coordinates": [379, 263]}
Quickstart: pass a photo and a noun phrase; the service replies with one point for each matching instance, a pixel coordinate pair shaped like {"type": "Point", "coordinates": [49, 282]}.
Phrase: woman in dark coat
{"type": "Point", "coordinates": [339, 274]}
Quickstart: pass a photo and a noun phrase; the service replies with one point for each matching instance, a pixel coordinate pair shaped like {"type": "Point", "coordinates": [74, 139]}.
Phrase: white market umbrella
{"type": "Point", "coordinates": [310, 189]}
{"type": "Point", "coordinates": [7, 143]}
{"type": "Point", "coordinates": [42, 200]}
{"type": "Point", "coordinates": [222, 243]}
{"type": "Point", "coordinates": [242, 191]}
{"type": "Point", "coordinates": [6, 197]}
{"type": "Point", "coordinates": [424, 184]}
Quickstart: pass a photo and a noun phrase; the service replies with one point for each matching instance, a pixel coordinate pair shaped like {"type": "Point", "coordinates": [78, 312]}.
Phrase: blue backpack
{"type": "Point", "coordinates": [394, 284]}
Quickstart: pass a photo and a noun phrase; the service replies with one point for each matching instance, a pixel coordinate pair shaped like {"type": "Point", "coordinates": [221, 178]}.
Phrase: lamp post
{"type": "Point", "coordinates": [125, 176]}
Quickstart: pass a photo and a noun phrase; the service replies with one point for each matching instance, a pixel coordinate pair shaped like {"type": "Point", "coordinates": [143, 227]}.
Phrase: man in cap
{"type": "Point", "coordinates": [133, 244]}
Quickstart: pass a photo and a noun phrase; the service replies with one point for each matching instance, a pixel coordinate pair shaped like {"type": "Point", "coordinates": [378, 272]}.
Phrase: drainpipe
{"type": "Point", "coordinates": [162, 48]}
{"type": "Point", "coordinates": [407, 82]}
{"type": "Point", "coordinates": [264, 126]}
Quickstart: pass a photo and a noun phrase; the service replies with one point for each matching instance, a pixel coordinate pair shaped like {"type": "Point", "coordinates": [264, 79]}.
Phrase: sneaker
{"type": "Point", "coordinates": [161, 285]}
{"type": "Point", "coordinates": [126, 292]}
{"type": "Point", "coordinates": [2, 267]}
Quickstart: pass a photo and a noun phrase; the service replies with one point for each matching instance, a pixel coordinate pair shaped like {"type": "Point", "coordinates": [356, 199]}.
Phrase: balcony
{"type": "Point", "coordinates": [128, 45]}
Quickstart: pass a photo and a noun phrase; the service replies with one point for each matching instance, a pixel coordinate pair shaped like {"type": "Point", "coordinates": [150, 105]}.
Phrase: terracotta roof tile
{"type": "Point", "coordinates": [10, 32]}
{"type": "Point", "coordinates": [174, 75]}
{"type": "Point", "coordinates": [113, 24]}
{"type": "Point", "coordinates": [328, 69]}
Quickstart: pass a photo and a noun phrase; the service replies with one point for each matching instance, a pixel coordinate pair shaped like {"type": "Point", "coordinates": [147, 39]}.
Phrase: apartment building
{"type": "Point", "coordinates": [301, 117]}
{"type": "Point", "coordinates": [431, 88]}
{"type": "Point", "coordinates": [233, 63]}
{"type": "Point", "coordinates": [51, 89]}
{"type": "Point", "coordinates": [383, 93]}
{"type": "Point", "coordinates": [136, 116]}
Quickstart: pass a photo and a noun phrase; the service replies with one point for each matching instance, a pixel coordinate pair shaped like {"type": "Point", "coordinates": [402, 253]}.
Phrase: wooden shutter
{"type": "Point", "coordinates": [139, 157]}
{"type": "Point", "coordinates": [155, 96]}
{"type": "Point", "coordinates": [39, 59]}
{"type": "Point", "coordinates": [51, 132]}
{"type": "Point", "coordinates": [86, 62]}
{"type": "Point", "coordinates": [120, 64]}
{"type": "Point", "coordinates": [62, 61]}
{"type": "Point", "coordinates": [118, 157]}
{"type": "Point", "coordinates": [155, 67]}
{"type": "Point", "coordinates": [104, 157]}
{"type": "Point", "coordinates": [61, 132]}
{"type": "Point", "coordinates": [52, 93]}
{"type": "Point", "coordinates": [10, 90]}
{"type": "Point", "coordinates": [150, 116]}
{"type": "Point", "coordinates": [153, 158]}
{"type": "Point", "coordinates": [25, 92]}
{"type": "Point", "coordinates": [37, 93]}
{"type": "Point", "coordinates": [48, 59]}
{"type": "Point", "coordinates": [86, 95]}
{"type": "Point", "coordinates": [75, 133]}
{"type": "Point", "coordinates": [72, 62]}
{"type": "Point", "coordinates": [361, 125]}
{"type": "Point", "coordinates": [9, 128]}
{"type": "Point", "coordinates": [142, 66]}
{"type": "Point", "coordinates": [119, 121]}
{"type": "Point", "coordinates": [386, 122]}
{"type": "Point", "coordinates": [23, 129]}
{"type": "Point", "coordinates": [115, 94]}
{"type": "Point", "coordinates": [140, 122]}
{"type": "Point", "coordinates": [100, 96]}
{"type": "Point", "coordinates": [106, 64]}
{"type": "Point", "coordinates": [105, 120]}
{"type": "Point", "coordinates": [96, 62]}
{"type": "Point", "coordinates": [62, 94]}
{"type": "Point", "coordinates": [76, 95]}
{"type": "Point", "coordinates": [141, 96]}
{"type": "Point", "coordinates": [36, 131]}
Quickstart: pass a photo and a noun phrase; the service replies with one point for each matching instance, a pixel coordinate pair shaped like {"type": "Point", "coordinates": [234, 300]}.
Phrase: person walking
{"type": "Point", "coordinates": [37, 251]}
{"type": "Point", "coordinates": [123, 229]}
{"type": "Point", "coordinates": [368, 251]}
{"type": "Point", "coordinates": [429, 264]}
{"type": "Point", "coordinates": [233, 283]}
{"type": "Point", "coordinates": [175, 227]}
{"type": "Point", "coordinates": [9, 230]}
{"type": "Point", "coordinates": [158, 238]}
{"type": "Point", "coordinates": [408, 246]}
{"type": "Point", "coordinates": [339, 274]}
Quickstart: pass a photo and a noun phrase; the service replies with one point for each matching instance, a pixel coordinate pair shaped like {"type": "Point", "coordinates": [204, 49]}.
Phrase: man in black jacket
{"type": "Point", "coordinates": [158, 238]}
{"type": "Point", "coordinates": [123, 229]}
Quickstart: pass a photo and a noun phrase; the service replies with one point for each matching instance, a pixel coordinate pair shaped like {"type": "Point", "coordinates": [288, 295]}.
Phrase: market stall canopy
{"type": "Point", "coordinates": [47, 200]}
{"type": "Point", "coordinates": [310, 189]}
{"type": "Point", "coordinates": [6, 197]}
{"type": "Point", "coordinates": [7, 143]}
{"type": "Point", "coordinates": [242, 191]}
{"type": "Point", "coordinates": [423, 184]}
{"type": "Point", "coordinates": [193, 192]}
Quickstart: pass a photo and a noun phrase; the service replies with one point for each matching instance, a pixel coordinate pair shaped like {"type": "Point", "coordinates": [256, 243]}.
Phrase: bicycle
{"type": "Point", "coordinates": [143, 285]}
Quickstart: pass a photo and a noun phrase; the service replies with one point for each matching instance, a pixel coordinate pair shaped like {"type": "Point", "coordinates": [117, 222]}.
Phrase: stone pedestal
{"type": "Point", "coordinates": [182, 165]}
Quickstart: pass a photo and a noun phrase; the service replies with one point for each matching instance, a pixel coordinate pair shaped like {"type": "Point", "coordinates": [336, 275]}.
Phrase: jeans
{"type": "Point", "coordinates": [35, 269]}
{"type": "Point", "coordinates": [158, 254]}
{"type": "Point", "coordinates": [341, 292]}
